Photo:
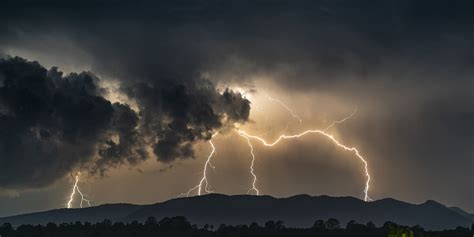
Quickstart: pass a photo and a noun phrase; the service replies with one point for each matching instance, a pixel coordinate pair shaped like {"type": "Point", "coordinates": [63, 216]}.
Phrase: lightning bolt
{"type": "Point", "coordinates": [252, 172]}
{"type": "Point", "coordinates": [247, 136]}
{"type": "Point", "coordinates": [73, 193]}
{"type": "Point", "coordinates": [203, 181]}
{"type": "Point", "coordinates": [341, 120]}
{"type": "Point", "coordinates": [251, 168]}
{"type": "Point", "coordinates": [293, 114]}
{"type": "Point", "coordinates": [254, 182]}
{"type": "Point", "coordinates": [327, 135]}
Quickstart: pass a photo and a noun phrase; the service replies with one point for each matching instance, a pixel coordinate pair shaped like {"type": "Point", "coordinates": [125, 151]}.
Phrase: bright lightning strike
{"type": "Point", "coordinates": [293, 114]}
{"type": "Point", "coordinates": [254, 188]}
{"type": "Point", "coordinates": [254, 182]}
{"type": "Point", "coordinates": [321, 132]}
{"type": "Point", "coordinates": [203, 180]}
{"type": "Point", "coordinates": [73, 193]}
{"type": "Point", "coordinates": [341, 121]}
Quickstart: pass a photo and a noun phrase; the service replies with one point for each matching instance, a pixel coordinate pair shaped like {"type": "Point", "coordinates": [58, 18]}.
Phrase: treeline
{"type": "Point", "coordinates": [180, 226]}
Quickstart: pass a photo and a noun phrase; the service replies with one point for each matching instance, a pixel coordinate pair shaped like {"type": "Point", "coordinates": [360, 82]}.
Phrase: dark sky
{"type": "Point", "coordinates": [129, 93]}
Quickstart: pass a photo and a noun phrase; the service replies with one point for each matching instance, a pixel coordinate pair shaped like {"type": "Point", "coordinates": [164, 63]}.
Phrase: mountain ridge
{"type": "Point", "coordinates": [296, 211]}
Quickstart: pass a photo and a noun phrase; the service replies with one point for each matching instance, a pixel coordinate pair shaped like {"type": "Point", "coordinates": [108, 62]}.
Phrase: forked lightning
{"type": "Point", "coordinates": [329, 136]}
{"type": "Point", "coordinates": [203, 180]}
{"type": "Point", "coordinates": [73, 193]}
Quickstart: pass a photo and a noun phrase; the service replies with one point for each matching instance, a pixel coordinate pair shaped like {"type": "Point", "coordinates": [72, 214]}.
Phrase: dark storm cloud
{"type": "Point", "coordinates": [51, 124]}
{"type": "Point", "coordinates": [128, 146]}
{"type": "Point", "coordinates": [175, 116]}
{"type": "Point", "coordinates": [339, 41]}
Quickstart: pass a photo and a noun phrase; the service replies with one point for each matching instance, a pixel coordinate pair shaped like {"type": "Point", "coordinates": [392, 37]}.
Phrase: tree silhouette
{"type": "Point", "coordinates": [332, 224]}
{"type": "Point", "coordinates": [180, 226]}
{"type": "Point", "coordinates": [319, 225]}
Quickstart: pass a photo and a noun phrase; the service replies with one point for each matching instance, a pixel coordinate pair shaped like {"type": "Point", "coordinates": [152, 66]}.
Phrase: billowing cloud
{"type": "Point", "coordinates": [175, 116]}
{"type": "Point", "coordinates": [51, 124]}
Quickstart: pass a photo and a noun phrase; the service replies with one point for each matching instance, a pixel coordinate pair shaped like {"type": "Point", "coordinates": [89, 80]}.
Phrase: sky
{"type": "Point", "coordinates": [129, 94]}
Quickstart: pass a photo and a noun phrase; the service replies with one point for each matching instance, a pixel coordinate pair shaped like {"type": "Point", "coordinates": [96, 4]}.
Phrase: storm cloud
{"type": "Point", "coordinates": [175, 116]}
{"type": "Point", "coordinates": [49, 123]}
{"type": "Point", "coordinates": [52, 124]}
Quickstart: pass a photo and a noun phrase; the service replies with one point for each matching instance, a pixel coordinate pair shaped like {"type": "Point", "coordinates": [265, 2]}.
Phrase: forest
{"type": "Point", "coordinates": [180, 226]}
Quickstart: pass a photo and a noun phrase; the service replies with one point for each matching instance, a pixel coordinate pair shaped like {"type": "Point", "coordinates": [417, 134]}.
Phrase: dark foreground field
{"type": "Point", "coordinates": [180, 226]}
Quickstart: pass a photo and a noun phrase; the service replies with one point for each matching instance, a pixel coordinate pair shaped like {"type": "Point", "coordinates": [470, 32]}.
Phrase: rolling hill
{"type": "Point", "coordinates": [295, 211]}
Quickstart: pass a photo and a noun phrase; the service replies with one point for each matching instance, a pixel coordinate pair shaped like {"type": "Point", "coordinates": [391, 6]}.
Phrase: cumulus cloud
{"type": "Point", "coordinates": [175, 116]}
{"type": "Point", "coordinates": [51, 124]}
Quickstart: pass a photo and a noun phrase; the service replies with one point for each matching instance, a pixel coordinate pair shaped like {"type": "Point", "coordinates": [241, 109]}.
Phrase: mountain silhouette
{"type": "Point", "coordinates": [295, 211]}
{"type": "Point", "coordinates": [463, 213]}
